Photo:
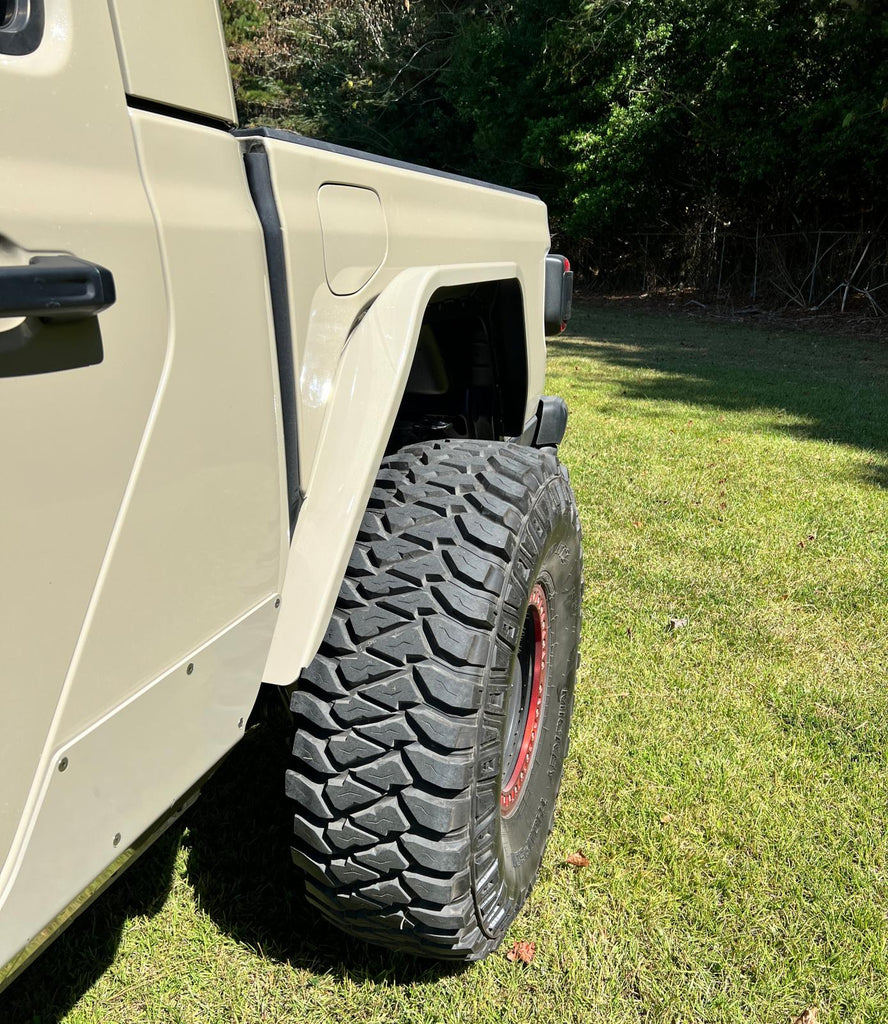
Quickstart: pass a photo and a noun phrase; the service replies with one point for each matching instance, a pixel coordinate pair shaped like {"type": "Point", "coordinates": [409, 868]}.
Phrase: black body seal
{"type": "Point", "coordinates": [180, 113]}
{"type": "Point", "coordinates": [259, 181]}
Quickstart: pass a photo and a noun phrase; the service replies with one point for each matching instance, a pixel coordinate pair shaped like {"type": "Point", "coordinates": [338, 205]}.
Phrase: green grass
{"type": "Point", "coordinates": [726, 779]}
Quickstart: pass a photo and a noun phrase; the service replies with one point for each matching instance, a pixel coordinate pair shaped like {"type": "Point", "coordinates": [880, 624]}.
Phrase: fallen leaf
{"type": "Point", "coordinates": [665, 819]}
{"type": "Point", "coordinates": [808, 1016]}
{"type": "Point", "coordinates": [577, 860]}
{"type": "Point", "coordinates": [636, 523]}
{"type": "Point", "coordinates": [677, 623]}
{"type": "Point", "coordinates": [522, 951]}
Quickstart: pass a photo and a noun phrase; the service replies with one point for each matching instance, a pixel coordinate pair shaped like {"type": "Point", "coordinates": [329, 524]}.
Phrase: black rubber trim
{"type": "Point", "coordinates": [180, 113]}
{"type": "Point", "coordinates": [552, 422]}
{"type": "Point", "coordinates": [547, 426]}
{"type": "Point", "coordinates": [22, 30]}
{"type": "Point", "coordinates": [262, 191]}
{"type": "Point", "coordinates": [328, 147]}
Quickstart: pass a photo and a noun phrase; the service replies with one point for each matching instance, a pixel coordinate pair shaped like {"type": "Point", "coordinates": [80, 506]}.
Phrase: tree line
{"type": "Point", "coordinates": [655, 130]}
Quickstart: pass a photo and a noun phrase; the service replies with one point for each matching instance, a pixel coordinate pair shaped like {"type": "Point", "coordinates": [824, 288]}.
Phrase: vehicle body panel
{"type": "Point", "coordinates": [173, 53]}
{"type": "Point", "coordinates": [126, 770]}
{"type": "Point", "coordinates": [151, 581]}
{"type": "Point", "coordinates": [431, 219]}
{"type": "Point", "coordinates": [147, 510]}
{"type": "Point", "coordinates": [370, 379]}
{"type": "Point", "coordinates": [436, 222]}
{"type": "Point", "coordinates": [204, 533]}
{"type": "Point", "coordinates": [68, 440]}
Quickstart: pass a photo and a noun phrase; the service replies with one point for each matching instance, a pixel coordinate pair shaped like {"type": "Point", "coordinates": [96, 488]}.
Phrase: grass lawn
{"type": "Point", "coordinates": [727, 775]}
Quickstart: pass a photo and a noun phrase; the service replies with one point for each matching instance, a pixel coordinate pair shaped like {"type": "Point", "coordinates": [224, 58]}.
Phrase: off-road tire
{"type": "Point", "coordinates": [400, 722]}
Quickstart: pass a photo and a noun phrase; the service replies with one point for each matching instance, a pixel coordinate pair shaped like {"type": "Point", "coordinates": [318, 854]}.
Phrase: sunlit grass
{"type": "Point", "coordinates": [727, 773]}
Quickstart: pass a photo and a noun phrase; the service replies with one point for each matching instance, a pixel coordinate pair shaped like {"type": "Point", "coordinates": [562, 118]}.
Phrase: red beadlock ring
{"type": "Point", "coordinates": [511, 790]}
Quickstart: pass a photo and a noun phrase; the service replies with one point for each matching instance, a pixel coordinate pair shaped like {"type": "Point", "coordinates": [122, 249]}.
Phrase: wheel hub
{"type": "Point", "coordinates": [525, 706]}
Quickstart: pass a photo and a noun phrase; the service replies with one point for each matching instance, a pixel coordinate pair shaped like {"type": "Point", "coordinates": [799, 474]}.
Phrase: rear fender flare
{"type": "Point", "coordinates": [370, 381]}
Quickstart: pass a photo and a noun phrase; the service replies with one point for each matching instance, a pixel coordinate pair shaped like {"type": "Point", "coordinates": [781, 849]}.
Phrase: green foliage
{"type": "Point", "coordinates": [625, 115]}
{"type": "Point", "coordinates": [353, 73]}
{"type": "Point", "coordinates": [646, 113]}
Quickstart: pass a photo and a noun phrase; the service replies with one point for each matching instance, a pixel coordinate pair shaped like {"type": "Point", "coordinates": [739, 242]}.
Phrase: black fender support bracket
{"type": "Point", "coordinates": [545, 429]}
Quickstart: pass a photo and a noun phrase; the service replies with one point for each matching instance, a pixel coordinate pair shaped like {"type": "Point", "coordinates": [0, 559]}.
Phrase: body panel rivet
{"type": "Point", "coordinates": [116, 839]}
{"type": "Point", "coordinates": [63, 764]}
{"type": "Point", "coordinates": [190, 668]}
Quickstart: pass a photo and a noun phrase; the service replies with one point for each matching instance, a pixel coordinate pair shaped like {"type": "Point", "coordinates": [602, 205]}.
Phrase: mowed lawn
{"type": "Point", "coordinates": [727, 777]}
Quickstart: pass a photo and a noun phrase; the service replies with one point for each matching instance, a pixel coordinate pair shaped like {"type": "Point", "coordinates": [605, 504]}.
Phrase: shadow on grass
{"type": "Point", "coordinates": [47, 990]}
{"type": "Point", "coordinates": [827, 388]}
{"type": "Point", "coordinates": [240, 868]}
{"type": "Point", "coordinates": [236, 839]}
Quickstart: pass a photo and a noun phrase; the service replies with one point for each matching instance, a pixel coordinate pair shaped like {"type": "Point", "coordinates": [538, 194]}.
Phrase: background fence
{"type": "Point", "coordinates": [830, 270]}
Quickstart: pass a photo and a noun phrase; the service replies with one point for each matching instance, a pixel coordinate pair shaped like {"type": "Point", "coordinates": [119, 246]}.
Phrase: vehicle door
{"type": "Point", "coordinates": [77, 381]}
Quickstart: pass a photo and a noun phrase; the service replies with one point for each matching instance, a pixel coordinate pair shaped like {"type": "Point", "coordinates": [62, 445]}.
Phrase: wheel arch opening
{"type": "Point", "coordinates": [469, 375]}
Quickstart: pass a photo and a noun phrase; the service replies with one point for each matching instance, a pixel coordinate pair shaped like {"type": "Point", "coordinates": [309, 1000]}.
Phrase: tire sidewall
{"type": "Point", "coordinates": [548, 554]}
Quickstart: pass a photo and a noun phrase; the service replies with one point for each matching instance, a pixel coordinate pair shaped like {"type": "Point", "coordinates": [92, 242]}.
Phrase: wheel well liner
{"type": "Point", "coordinates": [469, 376]}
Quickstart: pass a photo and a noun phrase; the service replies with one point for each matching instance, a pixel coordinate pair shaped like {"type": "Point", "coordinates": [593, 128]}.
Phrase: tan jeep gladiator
{"type": "Point", "coordinates": [270, 412]}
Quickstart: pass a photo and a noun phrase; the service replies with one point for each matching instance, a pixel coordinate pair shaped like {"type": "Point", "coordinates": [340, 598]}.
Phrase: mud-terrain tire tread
{"type": "Point", "coordinates": [390, 724]}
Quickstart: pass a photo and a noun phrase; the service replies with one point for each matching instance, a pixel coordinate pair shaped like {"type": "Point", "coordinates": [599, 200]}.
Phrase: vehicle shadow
{"type": "Point", "coordinates": [51, 986]}
{"type": "Point", "coordinates": [237, 860]}
{"type": "Point", "coordinates": [814, 386]}
{"type": "Point", "coordinates": [239, 865]}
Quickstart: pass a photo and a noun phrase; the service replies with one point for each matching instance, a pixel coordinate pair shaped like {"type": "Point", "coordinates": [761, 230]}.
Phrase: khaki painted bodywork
{"type": "Point", "coordinates": [64, 472]}
{"type": "Point", "coordinates": [124, 771]}
{"type": "Point", "coordinates": [150, 580]}
{"type": "Point", "coordinates": [440, 232]}
{"type": "Point", "coordinates": [355, 236]}
{"type": "Point", "coordinates": [173, 52]}
{"type": "Point", "coordinates": [144, 509]}
{"type": "Point", "coordinates": [204, 528]}
{"type": "Point", "coordinates": [365, 394]}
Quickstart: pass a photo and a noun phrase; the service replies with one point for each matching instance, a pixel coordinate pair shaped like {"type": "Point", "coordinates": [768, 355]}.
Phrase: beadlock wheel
{"type": "Point", "coordinates": [431, 729]}
{"type": "Point", "coordinates": [525, 700]}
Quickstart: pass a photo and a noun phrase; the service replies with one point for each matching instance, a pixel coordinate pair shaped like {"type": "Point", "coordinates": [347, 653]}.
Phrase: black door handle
{"type": "Point", "coordinates": [61, 287]}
